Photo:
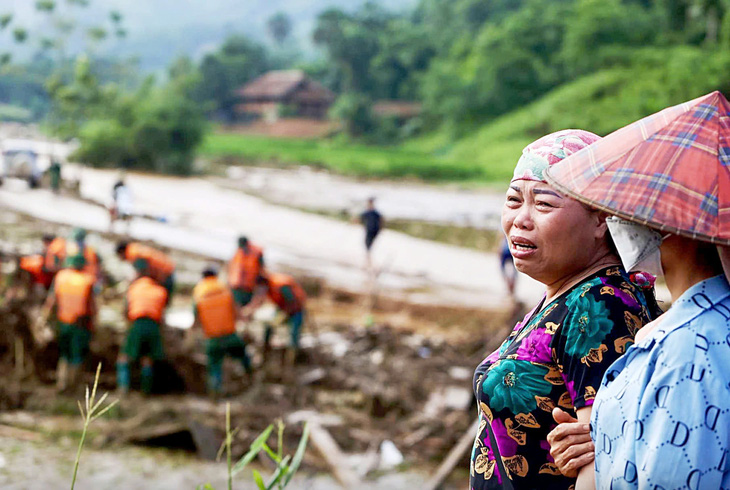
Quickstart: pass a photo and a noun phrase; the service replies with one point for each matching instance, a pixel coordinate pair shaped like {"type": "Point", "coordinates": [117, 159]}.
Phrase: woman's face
{"type": "Point", "coordinates": [551, 237]}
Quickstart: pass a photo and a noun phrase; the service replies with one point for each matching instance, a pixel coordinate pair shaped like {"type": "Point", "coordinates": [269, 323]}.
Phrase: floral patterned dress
{"type": "Point", "coordinates": [554, 357]}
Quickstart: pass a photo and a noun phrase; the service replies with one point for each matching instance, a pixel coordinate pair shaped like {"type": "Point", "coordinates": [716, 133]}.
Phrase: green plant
{"type": "Point", "coordinates": [94, 410]}
{"type": "Point", "coordinates": [286, 466]}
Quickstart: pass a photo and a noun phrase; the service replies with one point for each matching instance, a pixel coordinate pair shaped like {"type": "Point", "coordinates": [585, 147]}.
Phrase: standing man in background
{"type": "Point", "coordinates": [54, 174]}
{"type": "Point", "coordinates": [372, 220]}
{"type": "Point", "coordinates": [243, 269]}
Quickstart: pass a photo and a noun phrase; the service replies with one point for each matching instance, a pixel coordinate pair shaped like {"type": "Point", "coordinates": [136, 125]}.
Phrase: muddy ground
{"type": "Point", "coordinates": [399, 373]}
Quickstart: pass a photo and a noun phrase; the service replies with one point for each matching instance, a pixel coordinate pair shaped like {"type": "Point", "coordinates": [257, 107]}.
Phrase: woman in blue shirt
{"type": "Point", "coordinates": [661, 418]}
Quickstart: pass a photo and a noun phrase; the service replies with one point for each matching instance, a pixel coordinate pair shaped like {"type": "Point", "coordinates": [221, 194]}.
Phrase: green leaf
{"type": "Point", "coordinates": [280, 447]}
{"type": "Point", "coordinates": [20, 34]}
{"type": "Point", "coordinates": [259, 480]}
{"type": "Point", "coordinates": [5, 19]}
{"type": "Point", "coordinates": [96, 33]}
{"type": "Point", "coordinates": [272, 454]}
{"type": "Point", "coordinates": [281, 470]}
{"type": "Point", "coordinates": [47, 43]}
{"type": "Point", "coordinates": [299, 455]}
{"type": "Point", "coordinates": [115, 16]}
{"type": "Point", "coordinates": [255, 448]}
{"type": "Point", "coordinates": [45, 5]}
{"type": "Point", "coordinates": [5, 58]}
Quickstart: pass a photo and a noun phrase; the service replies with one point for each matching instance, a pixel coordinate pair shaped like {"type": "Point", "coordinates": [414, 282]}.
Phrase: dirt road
{"type": "Point", "coordinates": [205, 218]}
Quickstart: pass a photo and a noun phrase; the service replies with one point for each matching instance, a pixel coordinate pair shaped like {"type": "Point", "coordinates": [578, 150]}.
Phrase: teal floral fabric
{"type": "Point", "coordinates": [555, 357]}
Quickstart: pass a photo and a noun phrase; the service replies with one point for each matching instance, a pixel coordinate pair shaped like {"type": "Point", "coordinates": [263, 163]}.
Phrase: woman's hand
{"type": "Point", "coordinates": [570, 443]}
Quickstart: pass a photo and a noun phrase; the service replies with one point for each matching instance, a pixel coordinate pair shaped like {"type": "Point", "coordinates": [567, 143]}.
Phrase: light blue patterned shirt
{"type": "Point", "coordinates": [661, 419]}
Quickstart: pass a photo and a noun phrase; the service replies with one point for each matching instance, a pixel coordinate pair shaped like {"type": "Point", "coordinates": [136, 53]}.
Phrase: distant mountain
{"type": "Point", "coordinates": [160, 30]}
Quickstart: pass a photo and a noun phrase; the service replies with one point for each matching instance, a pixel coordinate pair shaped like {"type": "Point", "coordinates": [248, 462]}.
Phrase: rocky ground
{"type": "Point", "coordinates": [400, 373]}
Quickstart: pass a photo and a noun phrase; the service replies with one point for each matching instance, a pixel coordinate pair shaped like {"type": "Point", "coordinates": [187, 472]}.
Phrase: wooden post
{"type": "Point", "coordinates": [336, 460]}
{"type": "Point", "coordinates": [466, 442]}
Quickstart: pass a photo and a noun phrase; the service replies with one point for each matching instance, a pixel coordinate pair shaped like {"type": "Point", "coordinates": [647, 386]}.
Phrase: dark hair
{"type": "Point", "coordinates": [711, 257]}
{"type": "Point", "coordinates": [47, 237]}
{"type": "Point", "coordinates": [611, 244]}
{"type": "Point", "coordinates": [210, 272]}
{"type": "Point", "coordinates": [122, 247]}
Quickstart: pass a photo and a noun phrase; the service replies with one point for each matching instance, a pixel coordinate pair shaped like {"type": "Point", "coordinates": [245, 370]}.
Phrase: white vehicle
{"type": "Point", "coordinates": [22, 159]}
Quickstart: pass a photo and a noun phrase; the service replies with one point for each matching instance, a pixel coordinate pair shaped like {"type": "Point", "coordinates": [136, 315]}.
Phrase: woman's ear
{"type": "Point", "coordinates": [601, 226]}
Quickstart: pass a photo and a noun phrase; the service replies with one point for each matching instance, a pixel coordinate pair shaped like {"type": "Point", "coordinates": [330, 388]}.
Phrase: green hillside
{"type": "Point", "coordinates": [601, 103]}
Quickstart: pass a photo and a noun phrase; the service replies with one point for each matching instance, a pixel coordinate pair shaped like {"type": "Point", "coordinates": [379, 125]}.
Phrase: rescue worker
{"type": "Point", "coordinates": [31, 274]}
{"type": "Point", "coordinates": [55, 255]}
{"type": "Point", "coordinates": [243, 269]}
{"type": "Point", "coordinates": [161, 267]}
{"type": "Point", "coordinates": [77, 246]}
{"type": "Point", "coordinates": [72, 296]}
{"type": "Point", "coordinates": [60, 248]}
{"type": "Point", "coordinates": [288, 296]}
{"type": "Point", "coordinates": [54, 173]}
{"type": "Point", "coordinates": [144, 308]}
{"type": "Point", "coordinates": [215, 311]}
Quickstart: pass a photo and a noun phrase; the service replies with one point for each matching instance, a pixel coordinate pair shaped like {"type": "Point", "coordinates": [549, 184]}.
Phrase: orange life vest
{"type": "Point", "coordinates": [278, 281]}
{"type": "Point", "coordinates": [216, 307]}
{"type": "Point", "coordinates": [161, 267]}
{"type": "Point", "coordinates": [73, 291]}
{"type": "Point", "coordinates": [91, 266]}
{"type": "Point", "coordinates": [146, 298]}
{"type": "Point", "coordinates": [244, 268]}
{"type": "Point", "coordinates": [33, 264]}
{"type": "Point", "coordinates": [55, 254]}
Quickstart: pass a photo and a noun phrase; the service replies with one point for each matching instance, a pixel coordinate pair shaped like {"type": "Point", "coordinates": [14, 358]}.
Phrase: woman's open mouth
{"type": "Point", "coordinates": [521, 247]}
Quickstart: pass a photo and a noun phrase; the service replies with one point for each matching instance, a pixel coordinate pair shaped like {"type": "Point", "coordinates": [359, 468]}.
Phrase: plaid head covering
{"type": "Point", "coordinates": [549, 150]}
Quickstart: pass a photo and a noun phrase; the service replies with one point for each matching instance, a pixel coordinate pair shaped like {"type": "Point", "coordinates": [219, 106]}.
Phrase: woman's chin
{"type": "Point", "coordinates": [523, 266]}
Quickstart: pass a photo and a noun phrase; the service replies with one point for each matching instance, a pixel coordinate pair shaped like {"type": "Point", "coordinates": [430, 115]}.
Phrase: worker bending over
{"type": "Point", "coordinates": [288, 296]}
{"type": "Point", "coordinates": [215, 311]}
{"type": "Point", "coordinates": [161, 267]}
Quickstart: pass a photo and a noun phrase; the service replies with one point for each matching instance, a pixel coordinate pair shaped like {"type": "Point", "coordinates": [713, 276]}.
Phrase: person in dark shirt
{"type": "Point", "coordinates": [372, 220]}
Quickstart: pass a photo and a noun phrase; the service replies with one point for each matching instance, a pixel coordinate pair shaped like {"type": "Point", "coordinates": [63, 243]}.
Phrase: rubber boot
{"type": "Point", "coordinates": [73, 375]}
{"type": "Point", "coordinates": [215, 382]}
{"type": "Point", "coordinates": [146, 380]}
{"type": "Point", "coordinates": [123, 377]}
{"type": "Point", "coordinates": [268, 333]}
{"type": "Point", "coordinates": [62, 375]}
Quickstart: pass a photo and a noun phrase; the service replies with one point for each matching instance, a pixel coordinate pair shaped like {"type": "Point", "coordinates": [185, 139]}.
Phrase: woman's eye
{"type": "Point", "coordinates": [544, 204]}
{"type": "Point", "coordinates": [512, 199]}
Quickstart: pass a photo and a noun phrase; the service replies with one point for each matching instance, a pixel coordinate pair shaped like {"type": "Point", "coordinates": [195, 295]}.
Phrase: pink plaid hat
{"type": "Point", "coordinates": [549, 150]}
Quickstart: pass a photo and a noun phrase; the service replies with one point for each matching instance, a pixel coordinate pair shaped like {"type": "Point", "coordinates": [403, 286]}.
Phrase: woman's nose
{"type": "Point", "coordinates": [523, 218]}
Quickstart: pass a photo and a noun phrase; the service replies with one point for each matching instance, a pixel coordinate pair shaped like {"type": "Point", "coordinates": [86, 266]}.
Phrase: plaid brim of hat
{"type": "Point", "coordinates": [669, 171]}
{"type": "Point", "coordinates": [548, 150]}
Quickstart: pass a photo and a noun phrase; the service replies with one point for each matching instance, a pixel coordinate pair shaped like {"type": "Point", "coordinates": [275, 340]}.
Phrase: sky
{"type": "Point", "coordinates": [160, 30]}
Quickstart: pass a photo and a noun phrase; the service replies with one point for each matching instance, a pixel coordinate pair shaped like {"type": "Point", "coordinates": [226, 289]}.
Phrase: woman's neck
{"type": "Point", "coordinates": [684, 274]}
{"type": "Point", "coordinates": [561, 286]}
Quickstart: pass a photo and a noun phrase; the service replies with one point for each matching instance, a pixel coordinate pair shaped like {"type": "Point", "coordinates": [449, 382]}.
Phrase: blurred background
{"type": "Point", "coordinates": [278, 120]}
